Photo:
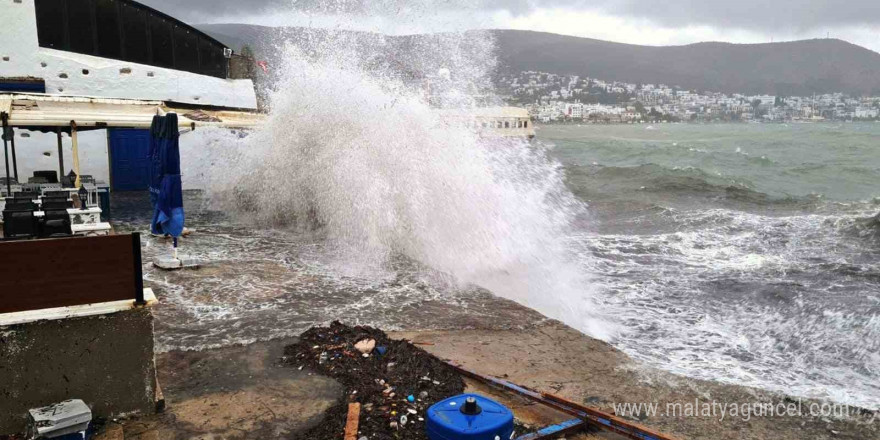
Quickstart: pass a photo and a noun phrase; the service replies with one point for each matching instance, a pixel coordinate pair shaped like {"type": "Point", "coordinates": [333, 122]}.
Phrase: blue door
{"type": "Point", "coordinates": [130, 159]}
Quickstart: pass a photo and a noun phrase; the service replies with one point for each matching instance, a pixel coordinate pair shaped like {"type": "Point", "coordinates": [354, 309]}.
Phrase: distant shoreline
{"type": "Point", "coordinates": [582, 123]}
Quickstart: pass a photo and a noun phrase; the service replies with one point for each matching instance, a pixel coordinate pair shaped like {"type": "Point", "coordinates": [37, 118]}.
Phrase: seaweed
{"type": "Point", "coordinates": [395, 383]}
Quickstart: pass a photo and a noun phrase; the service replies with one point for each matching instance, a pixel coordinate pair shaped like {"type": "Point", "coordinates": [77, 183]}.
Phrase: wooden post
{"type": "Point", "coordinates": [60, 156]}
{"type": "Point", "coordinates": [73, 138]}
{"type": "Point", "coordinates": [351, 423]}
{"type": "Point", "coordinates": [138, 270]}
{"type": "Point", "coordinates": [5, 119]}
{"type": "Point", "coordinates": [14, 158]}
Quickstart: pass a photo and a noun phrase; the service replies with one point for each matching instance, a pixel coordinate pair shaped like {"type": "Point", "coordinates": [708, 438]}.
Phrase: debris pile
{"type": "Point", "coordinates": [395, 382]}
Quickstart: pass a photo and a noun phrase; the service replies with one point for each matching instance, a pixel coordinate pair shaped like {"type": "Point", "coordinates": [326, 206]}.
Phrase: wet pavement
{"type": "Point", "coordinates": [259, 284]}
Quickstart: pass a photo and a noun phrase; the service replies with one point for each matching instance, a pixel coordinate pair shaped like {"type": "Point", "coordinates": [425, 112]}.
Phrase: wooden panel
{"type": "Point", "coordinates": [43, 274]}
{"type": "Point", "coordinates": [351, 422]}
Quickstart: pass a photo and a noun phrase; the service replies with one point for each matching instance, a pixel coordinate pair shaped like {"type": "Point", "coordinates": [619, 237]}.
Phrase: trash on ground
{"type": "Point", "coordinates": [384, 385]}
{"type": "Point", "coordinates": [366, 346]}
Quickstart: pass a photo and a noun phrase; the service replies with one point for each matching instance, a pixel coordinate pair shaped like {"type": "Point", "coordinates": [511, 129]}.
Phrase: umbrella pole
{"type": "Point", "coordinates": [5, 119]}
{"type": "Point", "coordinates": [175, 248]}
{"type": "Point", "coordinates": [74, 139]}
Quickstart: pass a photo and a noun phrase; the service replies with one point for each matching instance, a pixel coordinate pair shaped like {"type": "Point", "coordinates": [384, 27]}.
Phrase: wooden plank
{"type": "Point", "coordinates": [72, 312]}
{"type": "Point", "coordinates": [593, 416]}
{"type": "Point", "coordinates": [44, 274]}
{"type": "Point", "coordinates": [615, 423]}
{"type": "Point", "coordinates": [351, 423]}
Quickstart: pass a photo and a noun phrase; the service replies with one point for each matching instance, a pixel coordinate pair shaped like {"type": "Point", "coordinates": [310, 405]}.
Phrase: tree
{"type": "Point", "coordinates": [251, 72]}
{"type": "Point", "coordinates": [640, 108]}
{"type": "Point", "coordinates": [756, 105]}
{"type": "Point", "coordinates": [250, 67]}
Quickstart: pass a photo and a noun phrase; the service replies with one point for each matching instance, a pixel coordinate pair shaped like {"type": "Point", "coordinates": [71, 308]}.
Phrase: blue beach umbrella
{"type": "Point", "coordinates": [166, 191]}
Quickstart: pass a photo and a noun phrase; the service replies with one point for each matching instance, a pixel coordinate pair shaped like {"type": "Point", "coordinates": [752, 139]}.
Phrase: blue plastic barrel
{"type": "Point", "coordinates": [469, 417]}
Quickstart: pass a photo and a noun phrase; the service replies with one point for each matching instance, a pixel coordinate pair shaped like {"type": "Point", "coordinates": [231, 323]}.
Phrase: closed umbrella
{"type": "Point", "coordinates": [166, 191]}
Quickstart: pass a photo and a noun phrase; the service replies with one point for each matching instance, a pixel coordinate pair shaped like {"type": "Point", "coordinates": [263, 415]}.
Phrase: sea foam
{"type": "Point", "coordinates": [358, 150]}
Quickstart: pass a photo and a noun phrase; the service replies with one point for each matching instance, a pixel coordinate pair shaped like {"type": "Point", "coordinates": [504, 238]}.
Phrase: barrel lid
{"type": "Point", "coordinates": [446, 418]}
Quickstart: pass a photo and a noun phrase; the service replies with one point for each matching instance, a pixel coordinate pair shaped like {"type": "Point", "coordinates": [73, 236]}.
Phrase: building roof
{"type": "Point", "coordinates": [47, 112]}
{"type": "Point", "coordinates": [490, 112]}
{"type": "Point", "coordinates": [175, 20]}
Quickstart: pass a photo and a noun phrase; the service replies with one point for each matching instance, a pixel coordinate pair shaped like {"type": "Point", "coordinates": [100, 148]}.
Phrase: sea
{"type": "Point", "coordinates": [744, 254]}
{"type": "Point", "coordinates": [741, 253]}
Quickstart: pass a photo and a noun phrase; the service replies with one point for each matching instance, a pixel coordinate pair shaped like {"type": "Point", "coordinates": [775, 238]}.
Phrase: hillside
{"type": "Point", "coordinates": [790, 68]}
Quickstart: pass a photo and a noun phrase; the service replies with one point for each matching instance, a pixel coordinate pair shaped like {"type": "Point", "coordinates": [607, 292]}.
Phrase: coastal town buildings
{"type": "Point", "coordinates": [558, 98]}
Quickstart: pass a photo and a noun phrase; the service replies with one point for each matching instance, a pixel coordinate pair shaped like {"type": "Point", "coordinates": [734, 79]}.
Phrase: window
{"type": "Point", "coordinates": [51, 26]}
{"type": "Point", "coordinates": [80, 25]}
{"type": "Point", "coordinates": [506, 124]}
{"type": "Point", "coordinates": [161, 42]}
{"type": "Point", "coordinates": [134, 24]}
{"type": "Point", "coordinates": [107, 20]}
{"type": "Point", "coordinates": [525, 124]}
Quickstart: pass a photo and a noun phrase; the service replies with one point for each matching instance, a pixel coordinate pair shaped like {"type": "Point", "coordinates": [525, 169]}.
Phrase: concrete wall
{"type": "Point", "coordinates": [64, 72]}
{"type": "Point", "coordinates": [107, 361]}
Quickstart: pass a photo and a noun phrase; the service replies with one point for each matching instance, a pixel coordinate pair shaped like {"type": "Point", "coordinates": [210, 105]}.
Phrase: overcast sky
{"type": "Point", "coordinates": [647, 22]}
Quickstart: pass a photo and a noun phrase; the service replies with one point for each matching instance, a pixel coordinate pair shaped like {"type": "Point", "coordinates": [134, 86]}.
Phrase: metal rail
{"type": "Point", "coordinates": [554, 431]}
{"type": "Point", "coordinates": [592, 416]}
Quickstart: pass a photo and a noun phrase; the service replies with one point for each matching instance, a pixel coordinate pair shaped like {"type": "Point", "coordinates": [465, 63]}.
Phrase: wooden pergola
{"type": "Point", "coordinates": [71, 114]}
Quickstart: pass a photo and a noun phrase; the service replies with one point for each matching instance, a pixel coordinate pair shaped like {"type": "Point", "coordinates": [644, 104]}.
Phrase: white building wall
{"type": "Point", "coordinates": [37, 151]}
{"type": "Point", "coordinates": [70, 73]}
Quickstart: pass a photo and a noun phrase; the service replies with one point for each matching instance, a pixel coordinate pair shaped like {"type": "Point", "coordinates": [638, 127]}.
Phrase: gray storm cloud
{"type": "Point", "coordinates": [750, 14]}
{"type": "Point", "coordinates": [742, 14]}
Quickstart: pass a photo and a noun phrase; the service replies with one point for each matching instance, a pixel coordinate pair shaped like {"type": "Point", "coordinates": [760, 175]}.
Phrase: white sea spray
{"type": "Point", "coordinates": [357, 148]}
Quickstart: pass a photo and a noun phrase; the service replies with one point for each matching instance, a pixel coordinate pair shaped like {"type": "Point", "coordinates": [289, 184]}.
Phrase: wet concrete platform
{"type": "Point", "coordinates": [258, 284]}
{"type": "Point", "coordinates": [231, 393]}
{"type": "Point", "coordinates": [243, 392]}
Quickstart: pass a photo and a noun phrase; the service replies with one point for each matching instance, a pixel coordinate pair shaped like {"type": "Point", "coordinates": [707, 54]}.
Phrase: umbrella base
{"type": "Point", "coordinates": [170, 263]}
